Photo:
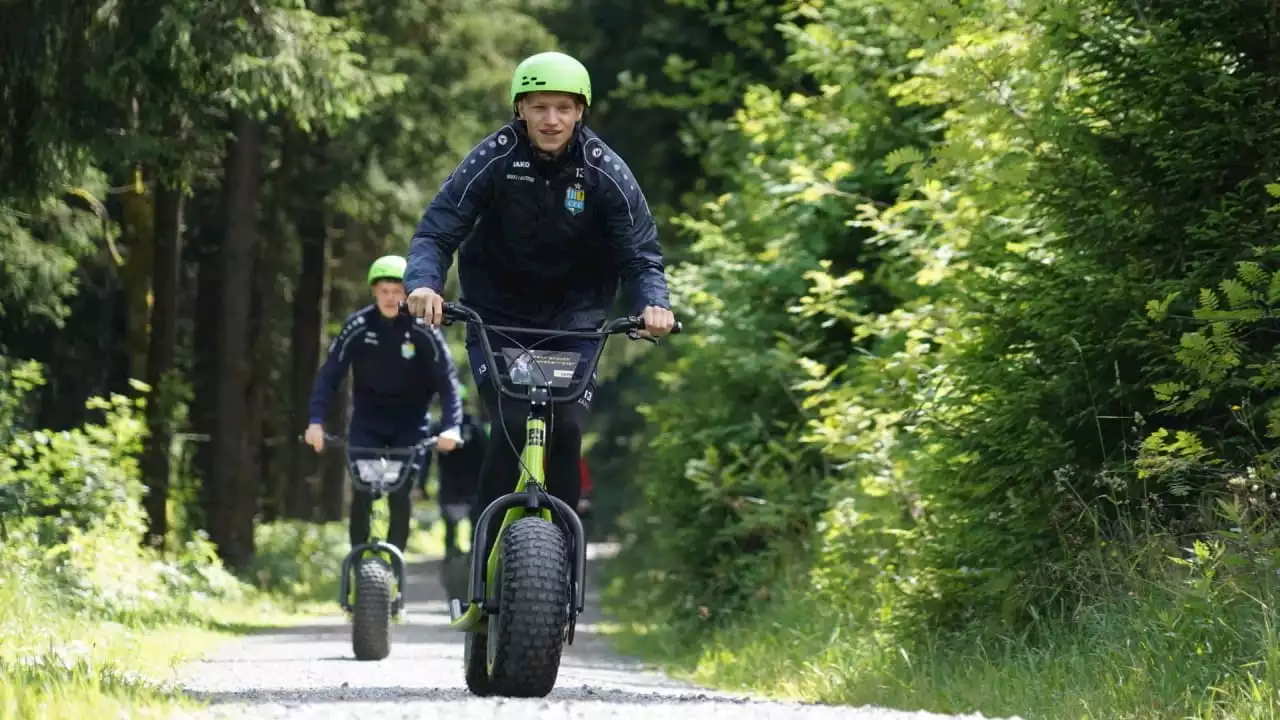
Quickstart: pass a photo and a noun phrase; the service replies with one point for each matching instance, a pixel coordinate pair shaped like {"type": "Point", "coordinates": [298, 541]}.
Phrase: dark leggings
{"type": "Point", "coordinates": [362, 502]}
{"type": "Point", "coordinates": [450, 537]}
{"type": "Point", "coordinates": [451, 548]}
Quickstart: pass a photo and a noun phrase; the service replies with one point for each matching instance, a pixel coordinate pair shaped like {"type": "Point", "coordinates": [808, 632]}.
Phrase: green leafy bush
{"type": "Point", "coordinates": [922, 363]}
{"type": "Point", "coordinates": [73, 514]}
{"type": "Point", "coordinates": [299, 559]}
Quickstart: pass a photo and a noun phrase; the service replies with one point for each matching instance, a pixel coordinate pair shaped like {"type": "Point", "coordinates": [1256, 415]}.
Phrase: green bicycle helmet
{"type": "Point", "coordinates": [387, 267]}
{"type": "Point", "coordinates": [551, 72]}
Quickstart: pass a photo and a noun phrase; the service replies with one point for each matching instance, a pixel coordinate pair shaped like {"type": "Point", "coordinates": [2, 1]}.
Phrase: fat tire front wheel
{"type": "Point", "coordinates": [533, 610]}
{"type": "Point", "coordinates": [371, 614]}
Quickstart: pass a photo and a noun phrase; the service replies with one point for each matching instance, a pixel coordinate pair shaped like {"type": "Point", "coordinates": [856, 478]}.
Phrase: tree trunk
{"type": "Point", "coordinates": [138, 235]}
{"type": "Point", "coordinates": [308, 331]}
{"type": "Point", "coordinates": [333, 493]}
{"type": "Point", "coordinates": [308, 318]}
{"type": "Point", "coordinates": [233, 490]}
{"type": "Point", "coordinates": [264, 389]}
{"type": "Point", "coordinates": [308, 336]}
{"type": "Point", "coordinates": [160, 360]}
{"type": "Point", "coordinates": [257, 373]}
{"type": "Point", "coordinates": [204, 345]}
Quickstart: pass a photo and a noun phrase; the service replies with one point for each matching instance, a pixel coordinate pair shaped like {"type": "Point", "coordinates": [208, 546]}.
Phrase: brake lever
{"type": "Point", "coordinates": [635, 335]}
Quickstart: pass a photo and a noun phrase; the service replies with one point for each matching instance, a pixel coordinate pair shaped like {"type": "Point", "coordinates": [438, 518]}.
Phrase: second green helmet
{"type": "Point", "coordinates": [387, 267]}
{"type": "Point", "coordinates": [551, 72]}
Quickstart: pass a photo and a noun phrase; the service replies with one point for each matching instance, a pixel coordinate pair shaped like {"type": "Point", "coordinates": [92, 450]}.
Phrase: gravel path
{"type": "Point", "coordinates": [308, 672]}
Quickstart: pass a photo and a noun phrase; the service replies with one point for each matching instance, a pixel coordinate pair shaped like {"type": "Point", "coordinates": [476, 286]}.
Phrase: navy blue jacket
{"type": "Point", "coordinates": [547, 240]}
{"type": "Point", "coordinates": [398, 364]}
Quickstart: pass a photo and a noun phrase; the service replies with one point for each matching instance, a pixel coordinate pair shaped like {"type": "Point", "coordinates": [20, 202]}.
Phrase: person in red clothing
{"type": "Point", "coordinates": [584, 483]}
{"type": "Point", "coordinates": [584, 500]}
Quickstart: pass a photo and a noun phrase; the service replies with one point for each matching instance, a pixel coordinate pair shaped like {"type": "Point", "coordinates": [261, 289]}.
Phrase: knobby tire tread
{"type": "Point", "coordinates": [371, 616]}
{"type": "Point", "coordinates": [534, 613]}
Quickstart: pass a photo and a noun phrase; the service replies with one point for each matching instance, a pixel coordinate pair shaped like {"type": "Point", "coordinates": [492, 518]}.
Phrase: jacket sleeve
{"type": "Point", "coordinates": [341, 352]}
{"type": "Point", "coordinates": [446, 383]}
{"type": "Point", "coordinates": [454, 210]}
{"type": "Point", "coordinates": [632, 233]}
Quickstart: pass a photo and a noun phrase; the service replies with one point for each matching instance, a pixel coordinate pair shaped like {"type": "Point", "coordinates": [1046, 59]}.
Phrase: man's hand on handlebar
{"type": "Point", "coordinates": [315, 436]}
{"type": "Point", "coordinates": [426, 304]}
{"type": "Point", "coordinates": [658, 321]}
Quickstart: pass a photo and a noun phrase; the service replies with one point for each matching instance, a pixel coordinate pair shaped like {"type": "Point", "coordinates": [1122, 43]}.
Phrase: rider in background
{"type": "Point", "coordinates": [460, 478]}
{"type": "Point", "coordinates": [584, 500]}
{"type": "Point", "coordinates": [553, 219]}
{"type": "Point", "coordinates": [398, 365]}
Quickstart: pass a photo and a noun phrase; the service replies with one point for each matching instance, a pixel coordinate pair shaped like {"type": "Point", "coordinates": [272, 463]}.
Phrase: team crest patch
{"type": "Point", "coordinates": [575, 200]}
{"type": "Point", "coordinates": [407, 351]}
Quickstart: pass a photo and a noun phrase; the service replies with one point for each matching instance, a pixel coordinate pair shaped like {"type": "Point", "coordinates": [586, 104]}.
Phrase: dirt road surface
{"type": "Point", "coordinates": [308, 672]}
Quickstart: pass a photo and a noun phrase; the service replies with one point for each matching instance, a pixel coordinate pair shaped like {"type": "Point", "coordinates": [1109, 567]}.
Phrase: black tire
{"type": "Point", "coordinates": [475, 653]}
{"type": "Point", "coordinates": [474, 656]}
{"type": "Point", "coordinates": [371, 616]}
{"type": "Point", "coordinates": [533, 614]}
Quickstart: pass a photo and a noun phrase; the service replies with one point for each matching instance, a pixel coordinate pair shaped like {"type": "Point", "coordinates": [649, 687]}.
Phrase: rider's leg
{"type": "Point", "coordinates": [450, 535]}
{"type": "Point", "coordinates": [401, 506]}
{"type": "Point", "coordinates": [501, 467]}
{"type": "Point", "coordinates": [361, 510]}
{"type": "Point", "coordinates": [359, 435]}
{"type": "Point", "coordinates": [563, 476]}
{"type": "Point", "coordinates": [401, 509]}
{"type": "Point", "coordinates": [451, 491]}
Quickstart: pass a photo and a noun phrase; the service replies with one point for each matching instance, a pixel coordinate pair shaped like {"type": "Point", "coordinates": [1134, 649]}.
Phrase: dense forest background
{"type": "Point", "coordinates": [978, 383]}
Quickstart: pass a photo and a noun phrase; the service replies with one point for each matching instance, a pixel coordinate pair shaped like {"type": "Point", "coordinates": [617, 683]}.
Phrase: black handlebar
{"type": "Point", "coordinates": [631, 325]}
{"type": "Point", "coordinates": [457, 312]}
{"type": "Point", "coordinates": [338, 441]}
{"type": "Point", "coordinates": [381, 486]}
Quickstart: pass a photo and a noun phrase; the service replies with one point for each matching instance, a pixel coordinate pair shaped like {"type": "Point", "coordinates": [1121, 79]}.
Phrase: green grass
{"type": "Point", "coordinates": [66, 656]}
{"type": "Point", "coordinates": [1173, 653]}
{"type": "Point", "coordinates": [59, 659]}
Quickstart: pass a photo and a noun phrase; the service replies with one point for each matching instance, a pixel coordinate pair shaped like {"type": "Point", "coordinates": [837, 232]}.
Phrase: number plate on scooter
{"type": "Point", "coordinates": [379, 473]}
{"type": "Point", "coordinates": [541, 368]}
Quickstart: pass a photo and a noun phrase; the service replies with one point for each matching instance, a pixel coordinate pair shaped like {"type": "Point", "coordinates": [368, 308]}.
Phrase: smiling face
{"type": "Point", "coordinates": [550, 117]}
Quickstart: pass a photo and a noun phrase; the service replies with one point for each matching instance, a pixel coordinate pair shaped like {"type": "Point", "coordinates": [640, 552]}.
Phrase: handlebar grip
{"type": "Point", "coordinates": [637, 321]}
{"type": "Point", "coordinates": [458, 311]}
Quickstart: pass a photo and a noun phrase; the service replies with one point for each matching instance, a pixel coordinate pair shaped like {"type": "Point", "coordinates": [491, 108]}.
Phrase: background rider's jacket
{"type": "Point", "coordinates": [399, 364]}
{"type": "Point", "coordinates": [546, 239]}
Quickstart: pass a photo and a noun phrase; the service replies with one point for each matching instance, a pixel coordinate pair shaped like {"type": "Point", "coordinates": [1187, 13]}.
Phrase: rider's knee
{"type": "Point", "coordinates": [568, 427]}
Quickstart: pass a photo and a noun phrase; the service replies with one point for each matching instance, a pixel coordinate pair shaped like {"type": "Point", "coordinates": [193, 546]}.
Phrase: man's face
{"type": "Point", "coordinates": [388, 294]}
{"type": "Point", "coordinates": [550, 117]}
